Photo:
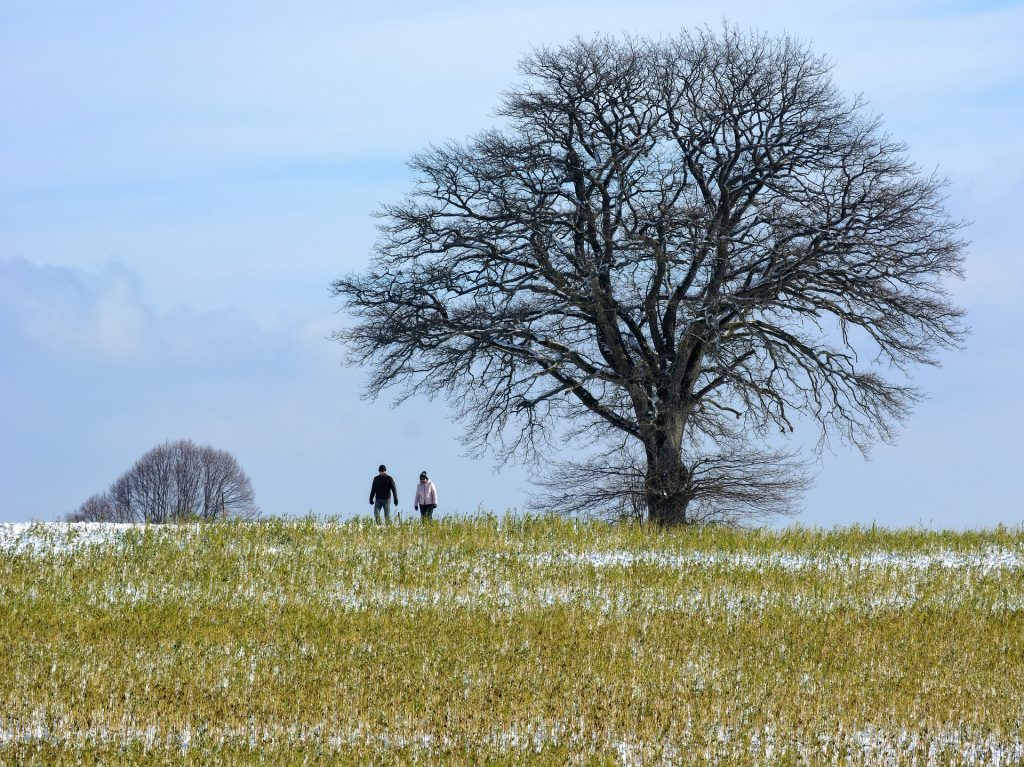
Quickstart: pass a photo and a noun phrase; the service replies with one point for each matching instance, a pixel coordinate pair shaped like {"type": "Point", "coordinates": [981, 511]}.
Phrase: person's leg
{"type": "Point", "coordinates": [387, 511]}
{"type": "Point", "coordinates": [377, 506]}
{"type": "Point", "coordinates": [430, 511]}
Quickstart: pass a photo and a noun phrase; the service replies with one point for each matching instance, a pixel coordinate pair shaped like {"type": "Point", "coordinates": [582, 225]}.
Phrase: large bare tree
{"type": "Point", "coordinates": [174, 482]}
{"type": "Point", "coordinates": [684, 242]}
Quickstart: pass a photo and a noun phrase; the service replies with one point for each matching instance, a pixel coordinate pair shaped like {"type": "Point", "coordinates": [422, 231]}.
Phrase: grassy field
{"type": "Point", "coordinates": [509, 641]}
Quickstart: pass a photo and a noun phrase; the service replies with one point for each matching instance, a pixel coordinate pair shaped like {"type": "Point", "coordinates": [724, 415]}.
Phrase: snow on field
{"type": "Point", "coordinates": [483, 586]}
{"type": "Point", "coordinates": [868, 745]}
{"type": "Point", "coordinates": [986, 560]}
{"type": "Point", "coordinates": [62, 538]}
{"type": "Point", "coordinates": [517, 579]}
{"type": "Point", "coordinates": [65, 537]}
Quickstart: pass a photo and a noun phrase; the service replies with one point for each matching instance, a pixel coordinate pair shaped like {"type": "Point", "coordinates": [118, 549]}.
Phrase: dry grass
{"type": "Point", "coordinates": [515, 641]}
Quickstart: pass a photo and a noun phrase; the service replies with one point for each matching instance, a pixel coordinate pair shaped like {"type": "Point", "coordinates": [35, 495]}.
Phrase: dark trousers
{"type": "Point", "coordinates": [426, 511]}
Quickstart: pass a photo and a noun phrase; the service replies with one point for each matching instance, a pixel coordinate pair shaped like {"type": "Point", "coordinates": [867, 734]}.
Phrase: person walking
{"type": "Point", "coordinates": [381, 491]}
{"type": "Point", "coordinates": [426, 497]}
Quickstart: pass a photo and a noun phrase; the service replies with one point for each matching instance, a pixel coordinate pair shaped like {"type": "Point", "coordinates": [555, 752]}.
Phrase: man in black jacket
{"type": "Point", "coordinates": [381, 490]}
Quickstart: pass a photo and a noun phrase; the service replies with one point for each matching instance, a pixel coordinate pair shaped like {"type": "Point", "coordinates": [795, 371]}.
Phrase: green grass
{"type": "Point", "coordinates": [514, 641]}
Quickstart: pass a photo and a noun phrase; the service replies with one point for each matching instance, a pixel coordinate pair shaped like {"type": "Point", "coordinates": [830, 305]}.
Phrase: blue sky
{"type": "Point", "coordinates": [179, 184]}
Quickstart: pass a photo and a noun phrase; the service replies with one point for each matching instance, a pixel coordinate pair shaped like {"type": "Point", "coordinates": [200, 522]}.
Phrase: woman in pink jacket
{"type": "Point", "coordinates": [426, 497]}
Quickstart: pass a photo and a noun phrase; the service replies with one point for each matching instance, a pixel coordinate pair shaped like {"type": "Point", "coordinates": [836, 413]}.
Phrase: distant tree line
{"type": "Point", "coordinates": [173, 482]}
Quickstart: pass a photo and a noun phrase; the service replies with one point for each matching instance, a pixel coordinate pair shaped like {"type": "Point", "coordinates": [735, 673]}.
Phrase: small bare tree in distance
{"type": "Point", "coordinates": [176, 481]}
{"type": "Point", "coordinates": [688, 245]}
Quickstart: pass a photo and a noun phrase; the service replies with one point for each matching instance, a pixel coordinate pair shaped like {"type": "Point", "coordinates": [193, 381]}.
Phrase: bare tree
{"type": "Point", "coordinates": [683, 242]}
{"type": "Point", "coordinates": [97, 508]}
{"type": "Point", "coordinates": [175, 481]}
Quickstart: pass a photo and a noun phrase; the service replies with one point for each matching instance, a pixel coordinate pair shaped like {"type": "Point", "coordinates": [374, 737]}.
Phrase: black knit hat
{"type": "Point", "coordinates": [423, 475]}
{"type": "Point", "coordinates": [382, 467]}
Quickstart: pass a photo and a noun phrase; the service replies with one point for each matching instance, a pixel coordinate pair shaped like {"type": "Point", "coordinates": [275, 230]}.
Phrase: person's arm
{"type": "Point", "coordinates": [394, 490]}
{"type": "Point", "coordinates": [433, 494]}
{"type": "Point", "coordinates": [373, 486]}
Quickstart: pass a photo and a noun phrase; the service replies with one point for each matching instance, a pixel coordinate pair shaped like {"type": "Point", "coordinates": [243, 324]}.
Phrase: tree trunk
{"type": "Point", "coordinates": [667, 480]}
